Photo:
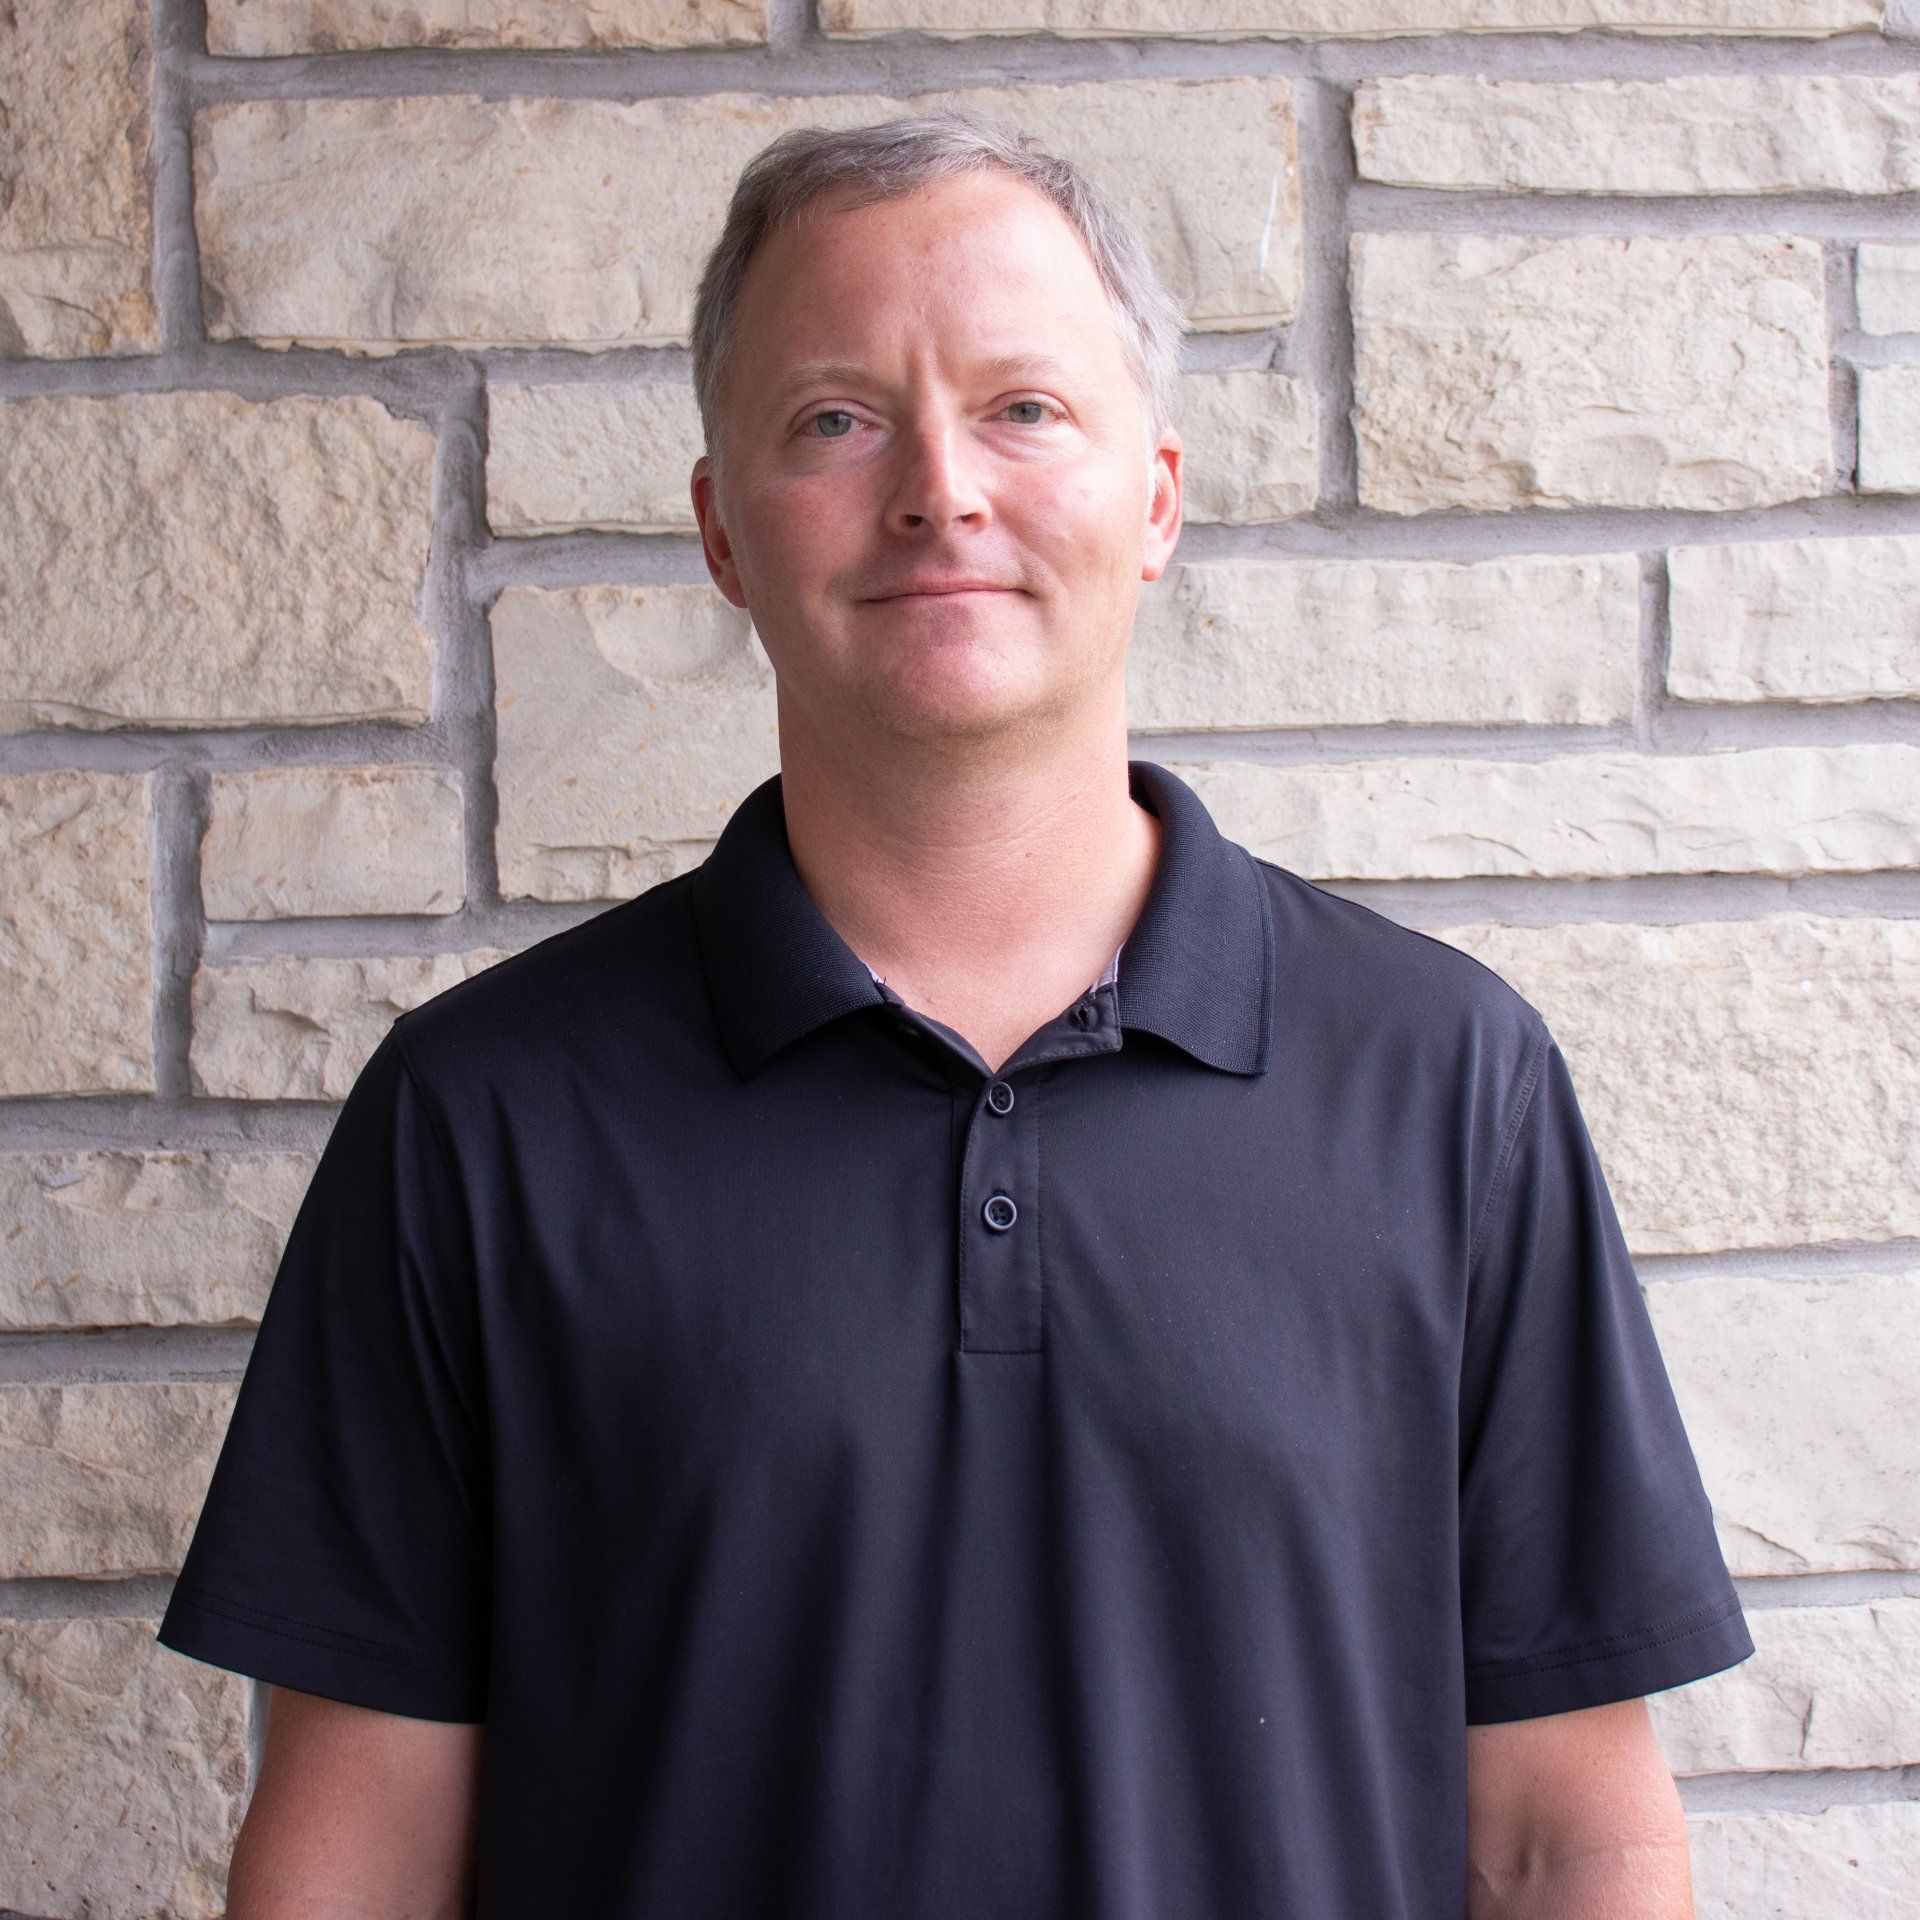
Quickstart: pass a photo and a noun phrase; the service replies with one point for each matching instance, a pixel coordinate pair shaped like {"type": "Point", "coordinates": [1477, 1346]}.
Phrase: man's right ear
{"type": "Point", "coordinates": [713, 534]}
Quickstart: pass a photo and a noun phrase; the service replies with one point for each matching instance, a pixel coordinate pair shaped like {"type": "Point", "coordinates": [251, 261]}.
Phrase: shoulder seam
{"type": "Point", "coordinates": [435, 1126]}
{"type": "Point", "coordinates": [1523, 1100]}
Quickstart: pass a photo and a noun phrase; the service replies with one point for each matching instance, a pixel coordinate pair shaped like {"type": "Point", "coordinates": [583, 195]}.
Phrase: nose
{"type": "Point", "coordinates": [935, 484]}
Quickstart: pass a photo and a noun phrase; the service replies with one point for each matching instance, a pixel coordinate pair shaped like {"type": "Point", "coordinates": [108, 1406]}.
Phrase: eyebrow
{"type": "Point", "coordinates": [830, 373]}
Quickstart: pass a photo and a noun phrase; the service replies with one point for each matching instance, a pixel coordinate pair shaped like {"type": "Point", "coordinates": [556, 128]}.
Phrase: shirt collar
{"type": "Point", "coordinates": [1199, 963]}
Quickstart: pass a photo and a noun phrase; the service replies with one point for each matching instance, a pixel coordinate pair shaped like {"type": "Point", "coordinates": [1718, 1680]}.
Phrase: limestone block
{"type": "Point", "coordinates": [1580, 816]}
{"type": "Point", "coordinates": [301, 1029]}
{"type": "Point", "coordinates": [126, 1772]}
{"type": "Point", "coordinates": [1886, 287]}
{"type": "Point", "coordinates": [1748, 1083]}
{"type": "Point", "coordinates": [76, 934]}
{"type": "Point", "coordinates": [297, 841]}
{"type": "Point", "coordinates": [103, 1237]}
{"type": "Point", "coordinates": [1827, 1687]}
{"type": "Point", "coordinates": [1852, 1859]}
{"type": "Point", "coordinates": [1694, 133]}
{"type": "Point", "coordinates": [1501, 371]}
{"type": "Point", "coordinates": [375, 224]}
{"type": "Point", "coordinates": [616, 458]}
{"type": "Point", "coordinates": [324, 26]}
{"type": "Point", "coordinates": [1799, 1397]}
{"type": "Point", "coordinates": [76, 179]}
{"type": "Point", "coordinates": [1356, 19]}
{"type": "Point", "coordinates": [1890, 429]}
{"type": "Point", "coordinates": [1813, 620]}
{"type": "Point", "coordinates": [1549, 640]}
{"type": "Point", "coordinates": [199, 560]}
{"type": "Point", "coordinates": [631, 721]}
{"type": "Point", "coordinates": [108, 1477]}
{"type": "Point", "coordinates": [1251, 446]}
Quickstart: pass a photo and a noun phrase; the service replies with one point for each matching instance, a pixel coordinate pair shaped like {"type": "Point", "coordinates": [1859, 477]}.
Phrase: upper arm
{"type": "Point", "coordinates": [1593, 1781]}
{"type": "Point", "coordinates": [358, 1813]}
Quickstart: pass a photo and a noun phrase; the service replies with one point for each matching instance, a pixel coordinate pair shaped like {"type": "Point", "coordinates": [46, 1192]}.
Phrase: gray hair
{"type": "Point", "coordinates": [862, 165]}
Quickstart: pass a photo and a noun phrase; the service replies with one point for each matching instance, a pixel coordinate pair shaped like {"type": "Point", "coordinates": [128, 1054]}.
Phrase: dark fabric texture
{"type": "Point", "coordinates": [658, 1372]}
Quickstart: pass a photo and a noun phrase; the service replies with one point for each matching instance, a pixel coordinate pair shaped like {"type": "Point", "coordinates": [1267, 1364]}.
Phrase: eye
{"type": "Point", "coordinates": [832, 432]}
{"type": "Point", "coordinates": [1035, 418]}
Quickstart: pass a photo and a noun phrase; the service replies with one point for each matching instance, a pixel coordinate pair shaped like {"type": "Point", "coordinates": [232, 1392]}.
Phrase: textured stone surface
{"type": "Point", "coordinates": [378, 223]}
{"type": "Point", "coordinates": [105, 1478]}
{"type": "Point", "coordinates": [1799, 1397]}
{"type": "Point", "coordinates": [195, 559]}
{"type": "Point", "coordinates": [1500, 371]}
{"type": "Point", "coordinates": [619, 458]}
{"type": "Point", "coordinates": [76, 238]}
{"type": "Point", "coordinates": [1232, 18]}
{"type": "Point", "coordinates": [321, 26]}
{"type": "Point", "coordinates": [293, 841]}
{"type": "Point", "coordinates": [1890, 429]}
{"type": "Point", "coordinates": [301, 1029]}
{"type": "Point", "coordinates": [1846, 1862]}
{"type": "Point", "coordinates": [76, 934]}
{"type": "Point", "coordinates": [1694, 133]}
{"type": "Point", "coordinates": [104, 1237]}
{"type": "Point", "coordinates": [1748, 1083]}
{"type": "Point", "coordinates": [1303, 643]}
{"type": "Point", "coordinates": [631, 722]}
{"type": "Point", "coordinates": [1579, 816]}
{"type": "Point", "coordinates": [1886, 287]}
{"type": "Point", "coordinates": [126, 1772]}
{"type": "Point", "coordinates": [1826, 1687]}
{"type": "Point", "coordinates": [1813, 620]}
{"type": "Point", "coordinates": [1251, 446]}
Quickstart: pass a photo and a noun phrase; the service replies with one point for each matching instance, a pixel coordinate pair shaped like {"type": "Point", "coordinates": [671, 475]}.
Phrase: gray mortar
{"type": "Point", "coordinates": [446, 390]}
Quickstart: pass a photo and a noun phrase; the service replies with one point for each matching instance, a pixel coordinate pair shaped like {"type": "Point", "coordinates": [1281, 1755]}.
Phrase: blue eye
{"type": "Point", "coordinates": [833, 413]}
{"type": "Point", "coordinates": [1039, 406]}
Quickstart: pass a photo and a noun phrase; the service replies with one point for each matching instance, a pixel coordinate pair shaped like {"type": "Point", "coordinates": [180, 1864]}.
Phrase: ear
{"type": "Point", "coordinates": [1162, 531]}
{"type": "Point", "coordinates": [714, 542]}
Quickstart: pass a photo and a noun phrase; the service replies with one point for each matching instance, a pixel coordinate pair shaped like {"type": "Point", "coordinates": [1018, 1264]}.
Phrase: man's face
{"type": "Point", "coordinates": [930, 394]}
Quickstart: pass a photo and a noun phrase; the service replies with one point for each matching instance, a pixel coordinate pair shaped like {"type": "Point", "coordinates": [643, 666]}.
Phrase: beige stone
{"type": "Point", "coordinates": [76, 934]}
{"type": "Point", "coordinates": [1886, 287]}
{"type": "Point", "coordinates": [1748, 1083]}
{"type": "Point", "coordinates": [1496, 371]}
{"type": "Point", "coordinates": [1799, 1397]}
{"type": "Point", "coordinates": [105, 1237]}
{"type": "Point", "coordinates": [300, 841]}
{"type": "Point", "coordinates": [632, 721]}
{"type": "Point", "coordinates": [76, 179]}
{"type": "Point", "coordinates": [301, 1029]}
{"type": "Point", "coordinates": [1251, 447]}
{"type": "Point", "coordinates": [616, 458]}
{"type": "Point", "coordinates": [1826, 1687]}
{"type": "Point", "coordinates": [1813, 620]}
{"type": "Point", "coordinates": [1890, 429]}
{"type": "Point", "coordinates": [1693, 133]}
{"type": "Point", "coordinates": [105, 1478]}
{"type": "Point", "coordinates": [1299, 643]}
{"type": "Point", "coordinates": [1235, 19]}
{"type": "Point", "coordinates": [1579, 815]}
{"type": "Point", "coordinates": [324, 26]}
{"type": "Point", "coordinates": [372, 224]}
{"type": "Point", "coordinates": [126, 1772]}
{"type": "Point", "coordinates": [1849, 1861]}
{"type": "Point", "coordinates": [199, 560]}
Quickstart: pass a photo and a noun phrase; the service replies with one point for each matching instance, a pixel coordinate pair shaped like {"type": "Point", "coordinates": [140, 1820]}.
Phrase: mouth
{"type": "Point", "coordinates": [967, 591]}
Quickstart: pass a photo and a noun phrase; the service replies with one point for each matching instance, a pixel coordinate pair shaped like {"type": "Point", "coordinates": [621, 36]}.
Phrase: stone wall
{"type": "Point", "coordinates": [1552, 582]}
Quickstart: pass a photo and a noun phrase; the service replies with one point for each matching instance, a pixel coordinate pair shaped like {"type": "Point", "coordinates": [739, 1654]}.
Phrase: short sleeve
{"type": "Point", "coordinates": [1589, 1567]}
{"type": "Point", "coordinates": [342, 1547]}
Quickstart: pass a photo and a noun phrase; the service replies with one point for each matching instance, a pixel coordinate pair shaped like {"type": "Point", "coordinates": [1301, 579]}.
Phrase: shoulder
{"type": "Point", "coordinates": [1376, 983]}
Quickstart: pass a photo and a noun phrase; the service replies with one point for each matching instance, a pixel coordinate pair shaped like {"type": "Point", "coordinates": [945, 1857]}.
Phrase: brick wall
{"type": "Point", "coordinates": [1552, 581]}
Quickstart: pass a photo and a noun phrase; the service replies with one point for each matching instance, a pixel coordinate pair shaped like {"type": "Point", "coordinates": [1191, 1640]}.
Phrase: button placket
{"type": "Point", "coordinates": [999, 1251]}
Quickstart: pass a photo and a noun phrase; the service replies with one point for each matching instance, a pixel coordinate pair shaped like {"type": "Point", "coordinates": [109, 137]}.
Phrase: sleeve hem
{"type": "Point", "coordinates": [286, 1655]}
{"type": "Point", "coordinates": [1666, 1656]}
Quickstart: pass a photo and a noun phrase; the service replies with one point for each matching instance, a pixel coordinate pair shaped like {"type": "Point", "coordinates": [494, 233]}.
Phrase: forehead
{"type": "Point", "coordinates": [982, 258]}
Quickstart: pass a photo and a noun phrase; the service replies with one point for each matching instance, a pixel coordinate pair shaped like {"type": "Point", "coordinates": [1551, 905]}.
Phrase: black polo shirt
{"type": "Point", "coordinates": [850, 1483]}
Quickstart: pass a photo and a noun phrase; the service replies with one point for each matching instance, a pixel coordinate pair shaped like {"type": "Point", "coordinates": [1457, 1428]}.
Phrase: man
{"type": "Point", "coordinates": [985, 1355]}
